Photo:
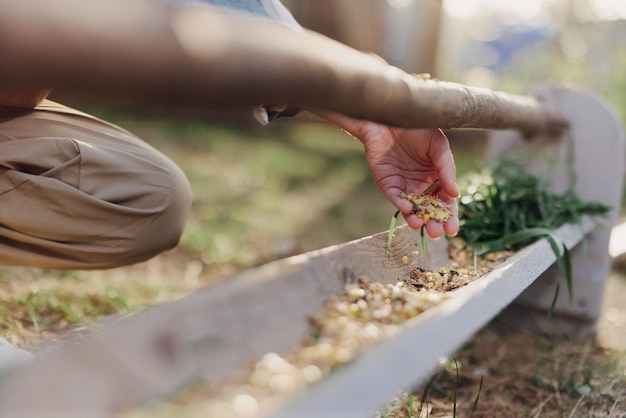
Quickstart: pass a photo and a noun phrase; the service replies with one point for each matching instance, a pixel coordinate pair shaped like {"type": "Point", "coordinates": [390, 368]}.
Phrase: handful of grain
{"type": "Point", "coordinates": [428, 206]}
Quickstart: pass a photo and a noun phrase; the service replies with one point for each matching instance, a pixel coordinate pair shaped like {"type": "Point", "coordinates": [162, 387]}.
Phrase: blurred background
{"type": "Point", "coordinates": [486, 43]}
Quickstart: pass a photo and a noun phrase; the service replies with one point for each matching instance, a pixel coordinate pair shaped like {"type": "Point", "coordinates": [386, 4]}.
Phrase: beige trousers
{"type": "Point", "coordinates": [79, 193]}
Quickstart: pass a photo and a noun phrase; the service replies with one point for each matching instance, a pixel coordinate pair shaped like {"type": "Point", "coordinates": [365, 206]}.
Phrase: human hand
{"type": "Point", "coordinates": [407, 160]}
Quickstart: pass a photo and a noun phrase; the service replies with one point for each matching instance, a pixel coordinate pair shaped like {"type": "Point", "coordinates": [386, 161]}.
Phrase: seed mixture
{"type": "Point", "coordinates": [428, 206]}
{"type": "Point", "coordinates": [364, 313]}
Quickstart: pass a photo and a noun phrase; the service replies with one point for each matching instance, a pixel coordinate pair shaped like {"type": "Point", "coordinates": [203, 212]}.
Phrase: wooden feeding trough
{"type": "Point", "coordinates": [213, 331]}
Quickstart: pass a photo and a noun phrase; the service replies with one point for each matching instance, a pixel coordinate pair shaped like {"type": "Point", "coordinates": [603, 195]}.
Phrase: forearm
{"type": "Point", "coordinates": [144, 52]}
{"type": "Point", "coordinates": [183, 57]}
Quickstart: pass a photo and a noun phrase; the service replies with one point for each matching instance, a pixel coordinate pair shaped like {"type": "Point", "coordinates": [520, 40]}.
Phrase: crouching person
{"type": "Point", "coordinates": [80, 193]}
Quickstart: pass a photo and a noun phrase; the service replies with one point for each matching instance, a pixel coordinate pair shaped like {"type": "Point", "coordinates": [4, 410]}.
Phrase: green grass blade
{"type": "Point", "coordinates": [556, 250]}
{"type": "Point", "coordinates": [424, 399]}
{"type": "Point", "coordinates": [427, 388]}
{"type": "Point", "coordinates": [429, 188]}
{"type": "Point", "coordinates": [564, 264]}
{"type": "Point", "coordinates": [389, 409]}
{"type": "Point", "coordinates": [34, 318]}
{"type": "Point", "coordinates": [456, 387]}
{"type": "Point", "coordinates": [510, 241]}
{"type": "Point", "coordinates": [475, 259]}
{"type": "Point", "coordinates": [567, 258]}
{"type": "Point", "coordinates": [409, 406]}
{"type": "Point", "coordinates": [392, 227]}
{"type": "Point", "coordinates": [561, 252]}
{"type": "Point", "coordinates": [475, 404]}
{"type": "Point", "coordinates": [553, 304]}
{"type": "Point", "coordinates": [422, 241]}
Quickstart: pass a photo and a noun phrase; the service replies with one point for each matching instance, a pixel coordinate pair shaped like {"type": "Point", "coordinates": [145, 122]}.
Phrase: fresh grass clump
{"type": "Point", "coordinates": [506, 209]}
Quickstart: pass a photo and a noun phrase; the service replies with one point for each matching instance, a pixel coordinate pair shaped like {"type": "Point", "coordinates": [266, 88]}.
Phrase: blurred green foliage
{"type": "Point", "coordinates": [598, 66]}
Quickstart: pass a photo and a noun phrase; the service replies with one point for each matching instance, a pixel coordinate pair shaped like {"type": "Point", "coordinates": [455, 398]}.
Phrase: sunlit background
{"type": "Point", "coordinates": [505, 45]}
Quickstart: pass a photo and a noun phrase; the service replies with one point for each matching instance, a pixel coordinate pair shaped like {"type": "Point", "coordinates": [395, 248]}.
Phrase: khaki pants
{"type": "Point", "coordinates": [79, 193]}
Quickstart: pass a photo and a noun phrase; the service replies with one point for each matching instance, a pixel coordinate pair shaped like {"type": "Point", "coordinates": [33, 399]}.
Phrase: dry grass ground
{"type": "Point", "coordinates": [266, 194]}
{"type": "Point", "coordinates": [532, 369]}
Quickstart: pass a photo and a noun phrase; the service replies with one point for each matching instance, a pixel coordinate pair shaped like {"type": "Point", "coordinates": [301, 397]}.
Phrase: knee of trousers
{"type": "Point", "coordinates": [165, 223]}
{"type": "Point", "coordinates": [79, 193]}
{"type": "Point", "coordinates": [90, 207]}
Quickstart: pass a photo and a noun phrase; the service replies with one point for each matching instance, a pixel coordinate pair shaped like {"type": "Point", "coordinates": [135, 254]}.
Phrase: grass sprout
{"type": "Point", "coordinates": [475, 404]}
{"type": "Point", "coordinates": [422, 241]}
{"type": "Point", "coordinates": [456, 387]}
{"type": "Point", "coordinates": [392, 227]}
{"type": "Point", "coordinates": [497, 205]}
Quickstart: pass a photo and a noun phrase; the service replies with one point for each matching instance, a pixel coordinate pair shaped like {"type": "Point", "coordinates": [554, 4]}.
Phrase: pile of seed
{"type": "Point", "coordinates": [428, 206]}
{"type": "Point", "coordinates": [462, 269]}
{"type": "Point", "coordinates": [363, 313]}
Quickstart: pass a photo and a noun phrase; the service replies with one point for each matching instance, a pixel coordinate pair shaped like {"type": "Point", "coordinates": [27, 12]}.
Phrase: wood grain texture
{"type": "Point", "coordinates": [207, 334]}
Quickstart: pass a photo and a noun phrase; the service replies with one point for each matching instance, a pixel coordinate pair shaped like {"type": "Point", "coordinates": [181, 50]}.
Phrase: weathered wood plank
{"type": "Point", "coordinates": [208, 333]}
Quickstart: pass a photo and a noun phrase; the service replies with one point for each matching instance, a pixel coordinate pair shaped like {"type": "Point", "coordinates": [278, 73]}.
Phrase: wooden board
{"type": "Point", "coordinates": [206, 334]}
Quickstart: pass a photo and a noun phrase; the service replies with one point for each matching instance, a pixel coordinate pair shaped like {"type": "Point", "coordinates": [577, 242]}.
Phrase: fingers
{"type": "Point", "coordinates": [414, 221]}
{"type": "Point", "coordinates": [404, 206]}
{"type": "Point", "coordinates": [452, 226]}
{"type": "Point", "coordinates": [444, 162]}
{"type": "Point", "coordinates": [433, 228]}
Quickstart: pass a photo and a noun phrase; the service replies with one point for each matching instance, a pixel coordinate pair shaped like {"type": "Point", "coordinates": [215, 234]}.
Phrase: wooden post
{"type": "Point", "coordinates": [590, 157]}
